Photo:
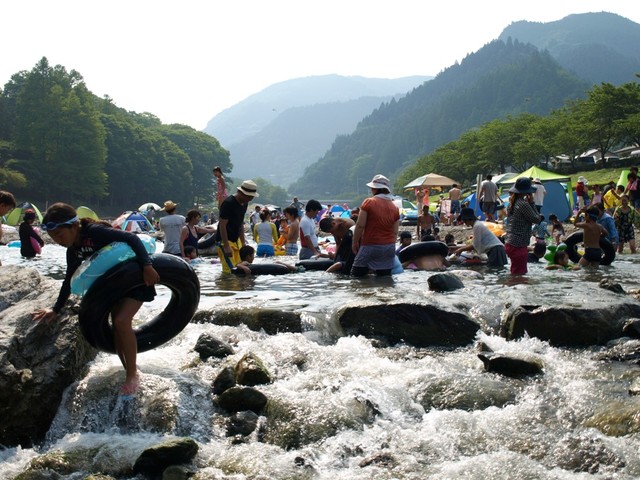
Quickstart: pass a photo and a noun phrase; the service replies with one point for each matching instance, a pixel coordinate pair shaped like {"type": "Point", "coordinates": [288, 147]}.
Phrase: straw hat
{"type": "Point", "coordinates": [249, 188]}
{"type": "Point", "coordinates": [168, 206]}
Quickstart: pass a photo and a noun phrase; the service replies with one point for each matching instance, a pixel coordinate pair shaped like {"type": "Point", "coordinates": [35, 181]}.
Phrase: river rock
{"type": "Point", "coordinates": [209, 346]}
{"type": "Point", "coordinates": [37, 361]}
{"type": "Point", "coordinates": [157, 458]}
{"type": "Point", "coordinates": [416, 325]}
{"type": "Point", "coordinates": [632, 328]}
{"type": "Point", "coordinates": [238, 399]}
{"type": "Point", "coordinates": [224, 380]}
{"type": "Point", "coordinates": [270, 320]}
{"type": "Point", "coordinates": [608, 284]}
{"type": "Point", "coordinates": [250, 371]}
{"type": "Point", "coordinates": [510, 366]}
{"type": "Point", "coordinates": [569, 326]}
{"type": "Point", "coordinates": [242, 423]}
{"type": "Point", "coordinates": [444, 282]}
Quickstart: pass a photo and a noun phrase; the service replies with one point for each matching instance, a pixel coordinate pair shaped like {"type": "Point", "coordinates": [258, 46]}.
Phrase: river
{"type": "Point", "coordinates": [362, 412]}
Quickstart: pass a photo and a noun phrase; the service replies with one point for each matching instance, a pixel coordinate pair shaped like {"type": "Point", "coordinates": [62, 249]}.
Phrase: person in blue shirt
{"type": "Point", "coordinates": [609, 225]}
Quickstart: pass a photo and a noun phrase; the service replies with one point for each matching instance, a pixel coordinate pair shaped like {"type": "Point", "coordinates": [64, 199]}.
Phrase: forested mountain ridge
{"type": "Point", "coordinates": [500, 79]}
{"type": "Point", "coordinates": [251, 115]}
{"type": "Point", "coordinates": [296, 138]}
{"type": "Point", "coordinates": [598, 47]}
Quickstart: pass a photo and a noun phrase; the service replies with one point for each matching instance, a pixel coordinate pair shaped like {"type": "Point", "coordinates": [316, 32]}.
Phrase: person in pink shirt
{"type": "Point", "coordinates": [376, 230]}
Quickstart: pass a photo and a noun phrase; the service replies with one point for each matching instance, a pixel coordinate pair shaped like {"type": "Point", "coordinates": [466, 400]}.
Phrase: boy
{"type": "Point", "coordinates": [425, 224]}
{"type": "Point", "coordinates": [405, 241]}
{"type": "Point", "coordinates": [557, 229]}
{"type": "Point", "coordinates": [484, 240]}
{"type": "Point", "coordinates": [591, 240]}
{"type": "Point", "coordinates": [248, 255]}
{"type": "Point", "coordinates": [308, 238]}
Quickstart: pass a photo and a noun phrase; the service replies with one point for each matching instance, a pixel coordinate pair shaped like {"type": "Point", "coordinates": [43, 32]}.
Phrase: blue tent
{"type": "Point", "coordinates": [133, 222]}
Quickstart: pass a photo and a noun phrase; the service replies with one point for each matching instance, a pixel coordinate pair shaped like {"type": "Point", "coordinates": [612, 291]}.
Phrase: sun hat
{"type": "Point", "coordinates": [379, 181]}
{"type": "Point", "coordinates": [249, 188]}
{"type": "Point", "coordinates": [467, 214]}
{"type": "Point", "coordinates": [523, 185]}
{"type": "Point", "coordinates": [581, 179]}
{"type": "Point", "coordinates": [536, 180]}
{"type": "Point", "coordinates": [168, 206]}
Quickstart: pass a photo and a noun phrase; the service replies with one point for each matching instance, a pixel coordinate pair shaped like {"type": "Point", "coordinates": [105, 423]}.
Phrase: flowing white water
{"type": "Point", "coordinates": [346, 410]}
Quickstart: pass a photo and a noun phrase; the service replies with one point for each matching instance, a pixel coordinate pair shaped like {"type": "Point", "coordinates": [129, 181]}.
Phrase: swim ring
{"type": "Point", "coordinates": [315, 263]}
{"type": "Point", "coordinates": [575, 239]}
{"type": "Point", "coordinates": [264, 269]}
{"type": "Point", "coordinates": [105, 259]}
{"type": "Point", "coordinates": [14, 244]}
{"type": "Point", "coordinates": [112, 286]}
{"type": "Point", "coordinates": [208, 241]}
{"type": "Point", "coordinates": [420, 249]}
{"type": "Point", "coordinates": [496, 228]}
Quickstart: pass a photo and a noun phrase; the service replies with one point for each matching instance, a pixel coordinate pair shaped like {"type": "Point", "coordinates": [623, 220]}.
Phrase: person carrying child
{"type": "Point", "coordinates": [591, 238]}
{"type": "Point", "coordinates": [82, 238]}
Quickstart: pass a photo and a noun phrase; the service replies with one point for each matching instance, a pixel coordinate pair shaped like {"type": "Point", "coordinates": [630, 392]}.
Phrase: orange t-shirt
{"type": "Point", "coordinates": [382, 215]}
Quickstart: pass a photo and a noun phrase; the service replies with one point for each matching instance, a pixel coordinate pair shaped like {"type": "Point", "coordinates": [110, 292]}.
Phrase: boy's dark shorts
{"type": "Point", "coordinates": [592, 254]}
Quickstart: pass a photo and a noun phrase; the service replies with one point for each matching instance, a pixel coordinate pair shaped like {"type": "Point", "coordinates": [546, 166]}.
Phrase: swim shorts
{"type": "Point", "coordinates": [592, 254]}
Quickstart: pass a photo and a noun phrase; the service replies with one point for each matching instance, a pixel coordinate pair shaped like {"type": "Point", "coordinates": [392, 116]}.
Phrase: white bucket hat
{"type": "Point", "coordinates": [249, 188]}
{"type": "Point", "coordinates": [380, 182]}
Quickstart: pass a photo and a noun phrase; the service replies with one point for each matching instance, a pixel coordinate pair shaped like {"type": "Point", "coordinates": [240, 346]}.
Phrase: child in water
{"type": "Point", "coordinates": [561, 262]}
{"type": "Point", "coordinates": [248, 255]}
{"type": "Point", "coordinates": [82, 238]}
{"type": "Point", "coordinates": [591, 240]}
{"type": "Point", "coordinates": [557, 229]}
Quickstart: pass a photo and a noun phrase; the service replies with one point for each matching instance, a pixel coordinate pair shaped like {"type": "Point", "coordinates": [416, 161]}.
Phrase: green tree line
{"type": "Point", "coordinates": [608, 118]}
{"type": "Point", "coordinates": [60, 142]}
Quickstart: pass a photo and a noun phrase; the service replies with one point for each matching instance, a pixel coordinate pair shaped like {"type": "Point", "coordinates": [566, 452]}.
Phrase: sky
{"type": "Point", "coordinates": [185, 61]}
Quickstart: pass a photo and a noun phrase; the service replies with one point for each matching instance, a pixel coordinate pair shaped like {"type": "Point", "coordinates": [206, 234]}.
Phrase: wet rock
{"type": "Point", "coordinates": [510, 366]}
{"type": "Point", "coordinates": [416, 325]}
{"type": "Point", "coordinates": [444, 282]}
{"type": "Point", "coordinates": [177, 472]}
{"type": "Point", "coordinates": [237, 399]}
{"type": "Point", "coordinates": [39, 475]}
{"type": "Point", "coordinates": [622, 350]}
{"type": "Point", "coordinates": [568, 326]}
{"type": "Point", "coordinates": [37, 361]}
{"type": "Point", "coordinates": [242, 423]}
{"type": "Point", "coordinates": [381, 459]}
{"type": "Point", "coordinates": [583, 454]}
{"type": "Point", "coordinates": [225, 380]}
{"type": "Point", "coordinates": [617, 419]}
{"type": "Point", "coordinates": [209, 346]}
{"type": "Point", "coordinates": [251, 371]}
{"type": "Point", "coordinates": [634, 388]}
{"type": "Point", "coordinates": [165, 454]}
{"type": "Point", "coordinates": [632, 328]}
{"type": "Point", "coordinates": [608, 284]}
{"type": "Point", "coordinates": [257, 319]}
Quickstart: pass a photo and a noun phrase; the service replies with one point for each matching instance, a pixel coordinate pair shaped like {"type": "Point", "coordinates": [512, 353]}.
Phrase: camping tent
{"type": "Point", "coordinates": [133, 222]}
{"type": "Point", "coordinates": [16, 215]}
{"type": "Point", "coordinates": [556, 200]}
{"type": "Point", "coordinates": [623, 178]}
{"type": "Point", "coordinates": [86, 212]}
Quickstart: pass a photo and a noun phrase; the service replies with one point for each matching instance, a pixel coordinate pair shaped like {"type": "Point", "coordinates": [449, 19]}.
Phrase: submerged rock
{"type": "Point", "coordinates": [238, 399]}
{"type": "Point", "coordinates": [510, 366]}
{"type": "Point", "coordinates": [270, 320]}
{"type": "Point", "coordinates": [37, 361]}
{"type": "Point", "coordinates": [209, 346]}
{"type": "Point", "coordinates": [251, 371]}
{"type": "Point", "coordinates": [417, 325]}
{"type": "Point", "coordinates": [444, 282]}
{"type": "Point", "coordinates": [165, 454]}
{"type": "Point", "coordinates": [568, 326]}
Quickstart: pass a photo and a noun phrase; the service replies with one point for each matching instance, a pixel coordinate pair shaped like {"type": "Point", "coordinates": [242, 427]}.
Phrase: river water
{"type": "Point", "coordinates": [360, 412]}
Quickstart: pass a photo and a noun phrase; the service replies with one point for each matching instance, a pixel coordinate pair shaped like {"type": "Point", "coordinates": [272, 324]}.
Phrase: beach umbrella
{"type": "Point", "coordinates": [148, 206]}
{"type": "Point", "coordinates": [431, 180]}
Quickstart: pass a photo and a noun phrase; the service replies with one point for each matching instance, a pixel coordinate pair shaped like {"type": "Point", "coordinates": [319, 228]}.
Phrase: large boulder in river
{"type": "Point", "coordinates": [270, 320]}
{"type": "Point", "coordinates": [568, 326]}
{"type": "Point", "coordinates": [37, 361]}
{"type": "Point", "coordinates": [413, 324]}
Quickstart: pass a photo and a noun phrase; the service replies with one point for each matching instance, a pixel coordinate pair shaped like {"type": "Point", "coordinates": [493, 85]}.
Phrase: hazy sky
{"type": "Point", "coordinates": [185, 61]}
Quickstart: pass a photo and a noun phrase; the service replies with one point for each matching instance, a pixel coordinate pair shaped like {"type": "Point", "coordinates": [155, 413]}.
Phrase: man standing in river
{"type": "Point", "coordinates": [230, 233]}
{"type": "Point", "coordinates": [454, 196]}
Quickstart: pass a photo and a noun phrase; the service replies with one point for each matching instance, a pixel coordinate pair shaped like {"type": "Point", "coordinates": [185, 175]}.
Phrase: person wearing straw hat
{"type": "Point", "coordinates": [171, 225]}
{"type": "Point", "coordinates": [374, 238]}
{"type": "Point", "coordinates": [521, 215]}
{"type": "Point", "coordinates": [230, 233]}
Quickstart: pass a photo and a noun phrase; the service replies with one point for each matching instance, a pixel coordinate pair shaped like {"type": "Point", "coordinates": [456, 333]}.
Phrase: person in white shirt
{"type": "Point", "coordinates": [538, 195]}
{"type": "Point", "coordinates": [171, 225]}
{"type": "Point", "coordinates": [484, 240]}
{"type": "Point", "coordinates": [308, 236]}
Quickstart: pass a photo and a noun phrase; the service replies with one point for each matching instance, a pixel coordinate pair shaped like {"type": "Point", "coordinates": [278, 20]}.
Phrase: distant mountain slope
{"type": "Point", "coordinates": [500, 79]}
{"type": "Point", "coordinates": [251, 115]}
{"type": "Point", "coordinates": [598, 47]}
{"type": "Point", "coordinates": [296, 138]}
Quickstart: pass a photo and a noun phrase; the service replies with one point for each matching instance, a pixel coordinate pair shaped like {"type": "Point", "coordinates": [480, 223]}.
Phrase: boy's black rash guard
{"type": "Point", "coordinates": [94, 236]}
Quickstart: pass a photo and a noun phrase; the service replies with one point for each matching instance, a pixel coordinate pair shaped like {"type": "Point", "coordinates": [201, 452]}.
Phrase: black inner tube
{"type": "Point", "coordinates": [419, 249]}
{"type": "Point", "coordinates": [264, 269]}
{"type": "Point", "coordinates": [576, 238]}
{"type": "Point", "coordinates": [106, 291]}
{"type": "Point", "coordinates": [315, 263]}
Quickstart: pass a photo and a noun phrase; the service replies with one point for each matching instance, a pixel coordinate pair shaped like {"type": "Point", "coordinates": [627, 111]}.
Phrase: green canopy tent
{"type": "Point", "coordinates": [623, 178]}
{"type": "Point", "coordinates": [557, 198]}
{"type": "Point", "coordinates": [17, 214]}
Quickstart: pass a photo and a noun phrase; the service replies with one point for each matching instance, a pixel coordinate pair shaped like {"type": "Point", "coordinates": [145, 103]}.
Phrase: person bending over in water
{"type": "Point", "coordinates": [82, 238]}
{"type": "Point", "coordinates": [591, 239]}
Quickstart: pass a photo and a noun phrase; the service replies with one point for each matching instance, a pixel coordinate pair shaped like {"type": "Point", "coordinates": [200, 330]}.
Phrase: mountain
{"type": "Point", "coordinates": [500, 79]}
{"type": "Point", "coordinates": [278, 132]}
{"type": "Point", "coordinates": [505, 77]}
{"type": "Point", "coordinates": [598, 47]}
{"type": "Point", "coordinates": [251, 115]}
